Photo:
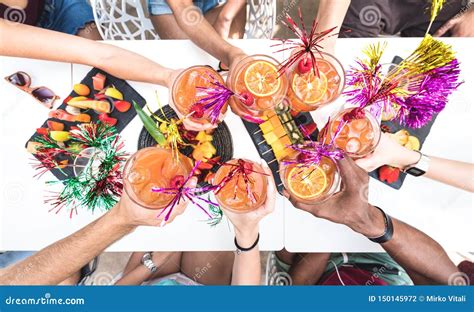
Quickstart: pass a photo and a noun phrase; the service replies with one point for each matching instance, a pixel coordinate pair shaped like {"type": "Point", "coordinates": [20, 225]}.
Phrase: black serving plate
{"type": "Point", "coordinates": [221, 139]}
{"type": "Point", "coordinates": [123, 119]}
{"type": "Point", "coordinates": [265, 151]}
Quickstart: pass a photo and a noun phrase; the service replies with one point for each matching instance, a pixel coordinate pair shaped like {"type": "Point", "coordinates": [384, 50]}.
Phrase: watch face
{"type": "Point", "coordinates": [415, 172]}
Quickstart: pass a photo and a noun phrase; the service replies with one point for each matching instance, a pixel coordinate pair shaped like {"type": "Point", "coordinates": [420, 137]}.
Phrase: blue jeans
{"type": "Point", "coordinates": [160, 7]}
{"type": "Point", "coordinates": [66, 16]}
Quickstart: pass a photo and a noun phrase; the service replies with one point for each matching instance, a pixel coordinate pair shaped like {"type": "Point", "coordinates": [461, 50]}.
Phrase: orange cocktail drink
{"type": "Point", "coordinates": [257, 85]}
{"type": "Point", "coordinates": [186, 93]}
{"type": "Point", "coordinates": [154, 167]}
{"type": "Point", "coordinates": [307, 91]}
{"type": "Point", "coordinates": [358, 134]}
{"type": "Point", "coordinates": [242, 185]}
{"type": "Point", "coordinates": [310, 182]}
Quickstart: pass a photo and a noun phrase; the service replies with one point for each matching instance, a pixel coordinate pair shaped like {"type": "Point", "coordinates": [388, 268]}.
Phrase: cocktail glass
{"type": "Point", "coordinates": [241, 192]}
{"type": "Point", "coordinates": [256, 79]}
{"type": "Point", "coordinates": [184, 94]}
{"type": "Point", "coordinates": [307, 91]}
{"type": "Point", "coordinates": [310, 182]}
{"type": "Point", "coordinates": [154, 167]}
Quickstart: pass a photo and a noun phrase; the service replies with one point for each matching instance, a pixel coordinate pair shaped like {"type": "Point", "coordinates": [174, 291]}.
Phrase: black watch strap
{"type": "Point", "coordinates": [388, 234]}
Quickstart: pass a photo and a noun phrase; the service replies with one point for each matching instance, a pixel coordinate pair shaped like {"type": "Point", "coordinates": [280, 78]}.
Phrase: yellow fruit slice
{"type": "Point", "coordinates": [307, 182]}
{"type": "Point", "coordinates": [309, 88]}
{"type": "Point", "coordinates": [59, 136]}
{"type": "Point", "coordinates": [413, 143]}
{"type": "Point", "coordinates": [261, 79]}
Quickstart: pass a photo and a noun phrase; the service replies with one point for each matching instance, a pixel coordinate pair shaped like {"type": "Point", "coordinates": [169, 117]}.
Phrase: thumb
{"type": "Point", "coordinates": [445, 28]}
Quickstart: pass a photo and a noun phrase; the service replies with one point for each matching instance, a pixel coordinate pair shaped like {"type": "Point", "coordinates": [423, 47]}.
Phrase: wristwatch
{"type": "Point", "coordinates": [148, 262]}
{"type": "Point", "coordinates": [419, 168]}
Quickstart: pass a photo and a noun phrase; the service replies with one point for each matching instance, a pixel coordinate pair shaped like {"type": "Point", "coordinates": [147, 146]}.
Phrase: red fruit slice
{"type": "Point", "coordinates": [42, 131]}
{"type": "Point", "coordinates": [106, 119]}
{"type": "Point", "coordinates": [122, 106]}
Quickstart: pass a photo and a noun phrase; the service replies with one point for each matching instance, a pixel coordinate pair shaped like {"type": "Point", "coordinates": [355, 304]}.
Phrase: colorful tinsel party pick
{"type": "Point", "coordinates": [241, 170]}
{"type": "Point", "coordinates": [169, 128]}
{"type": "Point", "coordinates": [213, 99]}
{"type": "Point", "coordinates": [414, 90]}
{"type": "Point", "coordinates": [183, 192]}
{"type": "Point", "coordinates": [307, 45]}
{"type": "Point", "coordinates": [436, 7]}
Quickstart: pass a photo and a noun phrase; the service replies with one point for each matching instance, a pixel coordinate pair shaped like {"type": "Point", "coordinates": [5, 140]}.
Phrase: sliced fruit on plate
{"type": "Point", "coordinates": [55, 126]}
{"type": "Point", "coordinates": [413, 143]}
{"type": "Point", "coordinates": [81, 89]}
{"type": "Point", "coordinates": [261, 79]}
{"type": "Point", "coordinates": [309, 88]}
{"type": "Point", "coordinates": [307, 182]}
{"type": "Point", "coordinates": [98, 81]}
{"type": "Point", "coordinates": [99, 106]}
{"type": "Point", "coordinates": [122, 106]}
{"type": "Point", "coordinates": [59, 136]}
{"type": "Point", "coordinates": [107, 119]}
{"type": "Point", "coordinates": [82, 118]}
{"type": "Point", "coordinates": [114, 93]}
{"type": "Point", "coordinates": [388, 174]}
{"type": "Point", "coordinates": [42, 131]}
{"type": "Point", "coordinates": [401, 137]}
{"type": "Point", "coordinates": [61, 115]}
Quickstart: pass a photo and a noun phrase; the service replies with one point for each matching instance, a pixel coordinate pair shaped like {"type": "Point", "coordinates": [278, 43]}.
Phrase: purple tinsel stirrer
{"type": "Point", "coordinates": [183, 192]}
{"type": "Point", "coordinates": [311, 153]}
{"type": "Point", "coordinates": [431, 98]}
{"type": "Point", "coordinates": [214, 98]}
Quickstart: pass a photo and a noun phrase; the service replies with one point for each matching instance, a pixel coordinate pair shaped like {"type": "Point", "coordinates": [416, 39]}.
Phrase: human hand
{"type": "Point", "coordinates": [246, 225]}
{"type": "Point", "coordinates": [234, 57]}
{"type": "Point", "coordinates": [131, 214]}
{"type": "Point", "coordinates": [461, 25]}
{"type": "Point", "coordinates": [388, 152]}
{"type": "Point", "coordinates": [350, 205]}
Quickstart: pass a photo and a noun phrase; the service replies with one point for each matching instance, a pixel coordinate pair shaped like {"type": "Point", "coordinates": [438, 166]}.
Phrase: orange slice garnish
{"type": "Point", "coordinates": [307, 182]}
{"type": "Point", "coordinates": [309, 88]}
{"type": "Point", "coordinates": [261, 79]}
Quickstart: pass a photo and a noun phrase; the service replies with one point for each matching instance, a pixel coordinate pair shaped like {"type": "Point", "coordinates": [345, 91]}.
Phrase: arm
{"type": "Point", "coordinates": [461, 25]}
{"type": "Point", "coordinates": [247, 266]}
{"type": "Point", "coordinates": [227, 15]}
{"type": "Point", "coordinates": [203, 34]}
{"type": "Point", "coordinates": [331, 13]}
{"type": "Point", "coordinates": [451, 172]}
{"type": "Point", "coordinates": [60, 260]}
{"type": "Point", "coordinates": [67, 256]}
{"type": "Point", "coordinates": [411, 248]}
{"type": "Point", "coordinates": [37, 43]}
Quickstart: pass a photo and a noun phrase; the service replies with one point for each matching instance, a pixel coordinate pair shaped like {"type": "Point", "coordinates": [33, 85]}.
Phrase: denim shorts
{"type": "Point", "coordinates": [66, 16]}
{"type": "Point", "coordinates": [160, 7]}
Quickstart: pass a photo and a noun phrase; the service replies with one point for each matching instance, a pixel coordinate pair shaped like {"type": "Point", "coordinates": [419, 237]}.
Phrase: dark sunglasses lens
{"type": "Point", "coordinates": [19, 79]}
{"type": "Point", "coordinates": [44, 95]}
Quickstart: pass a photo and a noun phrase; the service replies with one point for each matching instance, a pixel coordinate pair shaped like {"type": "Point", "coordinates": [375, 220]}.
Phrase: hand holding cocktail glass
{"type": "Point", "coordinates": [246, 224]}
{"type": "Point", "coordinates": [350, 205]}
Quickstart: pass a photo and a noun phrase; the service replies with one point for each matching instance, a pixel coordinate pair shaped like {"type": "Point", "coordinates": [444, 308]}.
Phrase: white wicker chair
{"type": "Point", "coordinates": [126, 19]}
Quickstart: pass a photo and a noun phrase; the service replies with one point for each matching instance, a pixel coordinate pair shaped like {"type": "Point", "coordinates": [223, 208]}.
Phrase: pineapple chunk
{"type": "Point", "coordinates": [275, 120]}
{"type": "Point", "coordinates": [277, 147]}
{"type": "Point", "coordinates": [266, 127]}
{"type": "Point", "coordinates": [285, 141]}
{"type": "Point", "coordinates": [280, 131]}
{"type": "Point", "coordinates": [413, 143]}
{"type": "Point", "coordinates": [270, 137]}
{"type": "Point", "coordinates": [204, 137]}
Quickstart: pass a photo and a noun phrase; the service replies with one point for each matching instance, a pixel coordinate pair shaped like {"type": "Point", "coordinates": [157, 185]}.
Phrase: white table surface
{"type": "Point", "coordinates": [444, 213]}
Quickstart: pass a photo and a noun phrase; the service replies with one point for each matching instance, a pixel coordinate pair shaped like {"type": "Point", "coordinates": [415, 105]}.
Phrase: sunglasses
{"type": "Point", "coordinates": [42, 94]}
